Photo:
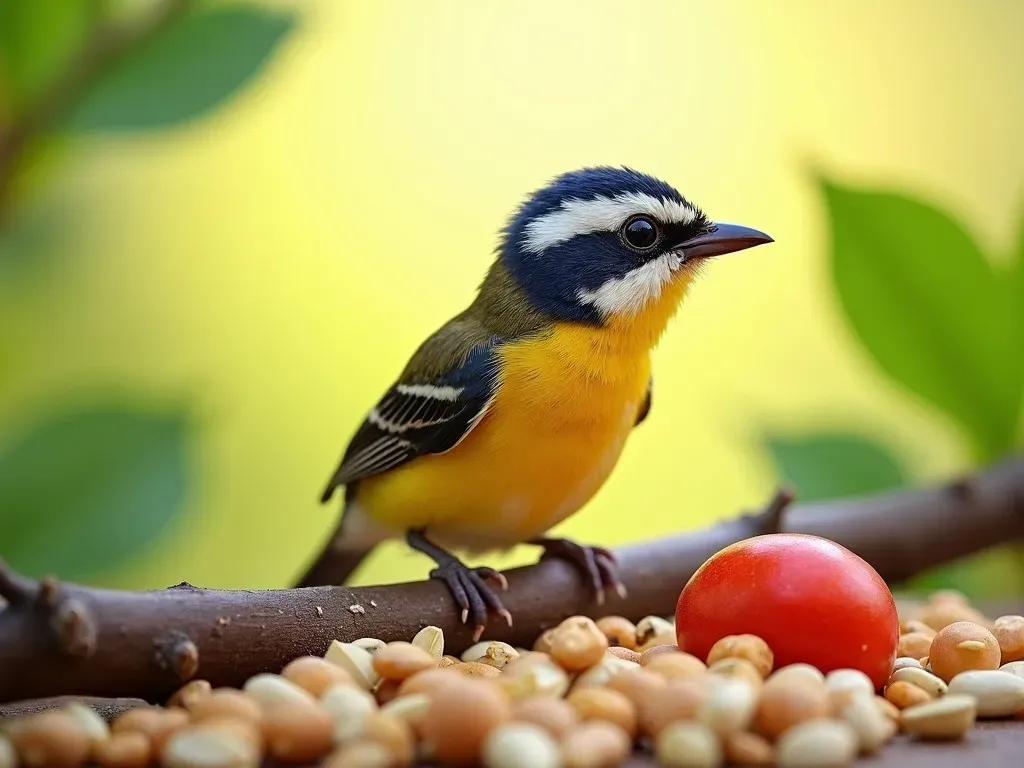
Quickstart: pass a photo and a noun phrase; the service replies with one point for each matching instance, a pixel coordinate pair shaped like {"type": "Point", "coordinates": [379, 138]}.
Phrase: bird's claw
{"type": "Point", "coordinates": [472, 593]}
{"type": "Point", "coordinates": [598, 564]}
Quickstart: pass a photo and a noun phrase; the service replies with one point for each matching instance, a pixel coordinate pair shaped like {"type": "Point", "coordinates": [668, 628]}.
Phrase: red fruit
{"type": "Point", "coordinates": [809, 598]}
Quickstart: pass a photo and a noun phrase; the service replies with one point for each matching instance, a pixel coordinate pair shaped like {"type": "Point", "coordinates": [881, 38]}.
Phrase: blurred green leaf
{"type": "Point", "coordinates": [83, 489]}
{"type": "Point", "coordinates": [37, 39]}
{"type": "Point", "coordinates": [185, 71]}
{"type": "Point", "coordinates": [827, 466]}
{"type": "Point", "coordinates": [930, 308]}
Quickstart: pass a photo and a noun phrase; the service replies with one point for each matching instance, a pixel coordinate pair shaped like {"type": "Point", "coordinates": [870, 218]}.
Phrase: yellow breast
{"type": "Point", "coordinates": [567, 401]}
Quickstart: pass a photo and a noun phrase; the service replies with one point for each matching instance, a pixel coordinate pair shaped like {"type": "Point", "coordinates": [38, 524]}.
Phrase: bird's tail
{"type": "Point", "coordinates": [336, 562]}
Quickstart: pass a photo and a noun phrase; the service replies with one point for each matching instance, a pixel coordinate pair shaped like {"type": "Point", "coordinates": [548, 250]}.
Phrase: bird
{"type": "Point", "coordinates": [511, 416]}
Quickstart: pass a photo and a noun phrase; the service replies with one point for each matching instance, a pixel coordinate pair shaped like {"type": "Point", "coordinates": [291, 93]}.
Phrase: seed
{"type": "Point", "coordinates": [678, 700]}
{"type": "Point", "coordinates": [603, 672]}
{"type": "Point", "coordinates": [852, 680]}
{"type": "Point", "coordinates": [748, 749]}
{"type": "Point", "coordinates": [1014, 668]}
{"type": "Point", "coordinates": [392, 733]}
{"type": "Point", "coordinates": [190, 693]}
{"type": "Point", "coordinates": [359, 754]}
{"type": "Point", "coordinates": [620, 631]}
{"type": "Point", "coordinates": [399, 660]}
{"type": "Point", "coordinates": [650, 653]}
{"type": "Point", "coordinates": [962, 646]}
{"type": "Point", "coordinates": [636, 684]}
{"type": "Point", "coordinates": [914, 644]}
{"type": "Point", "coordinates": [270, 689]}
{"type": "Point", "coordinates": [652, 631]}
{"type": "Point", "coordinates": [597, 744]}
{"type": "Point", "coordinates": [1009, 632]}
{"type": "Point", "coordinates": [297, 733]}
{"type": "Point", "coordinates": [95, 727]}
{"type": "Point", "coordinates": [315, 675]}
{"type": "Point", "coordinates": [999, 694]}
{"type": "Point", "coordinates": [460, 716]}
{"type": "Point", "coordinates": [447, 661]}
{"type": "Point", "coordinates": [520, 745]}
{"type": "Point", "coordinates": [130, 749]}
{"type": "Point", "coordinates": [155, 722]}
{"type": "Point", "coordinates": [543, 641]}
{"type": "Point", "coordinates": [355, 660]}
{"type": "Point", "coordinates": [626, 654]}
{"type": "Point", "coordinates": [386, 691]}
{"type": "Point", "coordinates": [431, 640]}
{"type": "Point", "coordinates": [913, 625]}
{"type": "Point", "coordinates": [409, 709]}
{"type": "Point", "coordinates": [578, 644]}
{"type": "Point", "coordinates": [224, 702]}
{"type": "Point", "coordinates": [749, 647]}
{"type": "Point", "coordinates": [872, 728]}
{"type": "Point", "coordinates": [426, 681]}
{"type": "Point", "coordinates": [369, 644]}
{"type": "Point", "coordinates": [787, 703]}
{"type": "Point", "coordinates": [53, 739]}
{"type": "Point", "coordinates": [676, 666]}
{"type": "Point", "coordinates": [687, 745]}
{"type": "Point", "coordinates": [8, 757]}
{"type": "Point", "coordinates": [737, 669]}
{"type": "Point", "coordinates": [942, 719]}
{"type": "Point", "coordinates": [940, 615]}
{"type": "Point", "coordinates": [798, 671]}
{"type": "Point", "coordinates": [556, 716]}
{"type": "Point", "coordinates": [531, 675]}
{"type": "Point", "coordinates": [904, 694]}
{"type": "Point", "coordinates": [493, 652]}
{"type": "Point", "coordinates": [729, 707]}
{"type": "Point", "coordinates": [347, 707]}
{"type": "Point", "coordinates": [817, 744]}
{"type": "Point", "coordinates": [926, 681]}
{"type": "Point", "coordinates": [208, 746]}
{"type": "Point", "coordinates": [476, 669]}
{"type": "Point", "coordinates": [604, 704]}
{"type": "Point", "coordinates": [888, 709]}
{"type": "Point", "coordinates": [906, 661]}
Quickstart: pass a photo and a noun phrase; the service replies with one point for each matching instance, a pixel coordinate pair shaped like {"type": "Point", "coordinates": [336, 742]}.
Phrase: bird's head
{"type": "Point", "coordinates": [610, 246]}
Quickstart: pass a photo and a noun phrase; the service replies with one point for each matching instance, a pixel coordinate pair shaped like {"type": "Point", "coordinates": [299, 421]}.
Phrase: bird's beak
{"type": "Point", "coordinates": [722, 239]}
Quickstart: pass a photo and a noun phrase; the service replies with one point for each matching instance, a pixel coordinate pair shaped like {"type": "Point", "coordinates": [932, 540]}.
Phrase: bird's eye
{"type": "Point", "coordinates": [640, 232]}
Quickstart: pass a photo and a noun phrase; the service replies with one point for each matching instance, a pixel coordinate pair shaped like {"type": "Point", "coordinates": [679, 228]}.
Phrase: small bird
{"type": "Point", "coordinates": [511, 416]}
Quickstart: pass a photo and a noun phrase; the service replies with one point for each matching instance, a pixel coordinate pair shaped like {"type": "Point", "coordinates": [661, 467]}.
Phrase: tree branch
{"type": "Point", "coordinates": [146, 643]}
{"type": "Point", "coordinates": [107, 43]}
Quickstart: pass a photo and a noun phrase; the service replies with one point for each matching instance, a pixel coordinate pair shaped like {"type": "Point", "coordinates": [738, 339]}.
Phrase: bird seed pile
{"type": "Point", "coordinates": [586, 696]}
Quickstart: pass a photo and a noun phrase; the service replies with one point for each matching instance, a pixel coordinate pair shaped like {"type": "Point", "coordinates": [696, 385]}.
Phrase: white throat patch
{"type": "Point", "coordinates": [600, 214]}
{"type": "Point", "coordinates": [629, 294]}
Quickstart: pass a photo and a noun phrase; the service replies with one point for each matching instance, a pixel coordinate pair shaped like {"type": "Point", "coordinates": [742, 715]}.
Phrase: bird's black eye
{"type": "Point", "coordinates": [640, 232]}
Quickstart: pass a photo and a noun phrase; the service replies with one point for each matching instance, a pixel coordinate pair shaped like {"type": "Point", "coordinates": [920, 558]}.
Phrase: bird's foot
{"type": "Point", "coordinates": [472, 590]}
{"type": "Point", "coordinates": [599, 565]}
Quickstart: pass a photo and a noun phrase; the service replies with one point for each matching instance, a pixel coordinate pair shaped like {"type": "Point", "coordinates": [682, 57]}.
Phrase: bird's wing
{"type": "Point", "coordinates": [430, 409]}
{"type": "Point", "coordinates": [645, 406]}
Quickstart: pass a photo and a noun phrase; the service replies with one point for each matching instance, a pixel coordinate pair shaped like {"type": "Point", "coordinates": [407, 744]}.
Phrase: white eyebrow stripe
{"type": "Point", "coordinates": [599, 214]}
{"type": "Point", "coordinates": [634, 290]}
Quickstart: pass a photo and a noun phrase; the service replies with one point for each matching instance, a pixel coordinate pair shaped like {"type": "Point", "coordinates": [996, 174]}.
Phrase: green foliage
{"type": "Point", "coordinates": [37, 39]}
{"type": "Point", "coordinates": [826, 466]}
{"type": "Point", "coordinates": [936, 315]}
{"type": "Point", "coordinates": [190, 68]}
{"type": "Point", "coordinates": [83, 489]}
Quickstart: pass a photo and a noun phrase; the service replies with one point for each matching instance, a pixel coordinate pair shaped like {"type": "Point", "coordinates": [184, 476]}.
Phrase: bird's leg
{"type": "Point", "coordinates": [468, 585]}
{"type": "Point", "coordinates": [598, 564]}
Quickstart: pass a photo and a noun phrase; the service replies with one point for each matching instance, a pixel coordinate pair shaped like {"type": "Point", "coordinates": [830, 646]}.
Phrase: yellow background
{"type": "Point", "coordinates": [275, 264]}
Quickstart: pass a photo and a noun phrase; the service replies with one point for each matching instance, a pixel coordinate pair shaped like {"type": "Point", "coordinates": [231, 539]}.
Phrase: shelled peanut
{"type": "Point", "coordinates": [585, 696]}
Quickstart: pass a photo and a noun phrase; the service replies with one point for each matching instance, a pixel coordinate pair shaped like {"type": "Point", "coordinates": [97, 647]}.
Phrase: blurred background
{"type": "Point", "coordinates": [225, 226]}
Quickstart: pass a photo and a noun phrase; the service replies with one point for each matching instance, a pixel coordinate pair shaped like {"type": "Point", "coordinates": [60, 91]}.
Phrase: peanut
{"type": "Point", "coordinates": [603, 672]}
{"type": "Point", "coordinates": [903, 694]}
{"type": "Point", "coordinates": [749, 647]}
{"type": "Point", "coordinates": [393, 733]}
{"type": "Point", "coordinates": [652, 652]}
{"type": "Point", "coordinates": [315, 675]}
{"type": "Point", "coordinates": [906, 661]}
{"type": "Point", "coordinates": [520, 745]}
{"type": "Point", "coordinates": [729, 707]}
{"type": "Point", "coordinates": [688, 745]}
{"type": "Point", "coordinates": [190, 693]}
{"type": "Point", "coordinates": [636, 685]}
{"type": "Point", "coordinates": [604, 704]}
{"type": "Point", "coordinates": [998, 694]}
{"type": "Point", "coordinates": [269, 689]}
{"type": "Point", "coordinates": [678, 700]}
{"type": "Point", "coordinates": [399, 660]}
{"type": "Point", "coordinates": [1009, 632]}
{"type": "Point", "coordinates": [297, 733]}
{"type": "Point", "coordinates": [652, 631]}
{"type": "Point", "coordinates": [225, 702]}
{"type": "Point", "coordinates": [621, 632]}
{"type": "Point", "coordinates": [578, 644]}
{"type": "Point", "coordinates": [596, 744]}
{"type": "Point", "coordinates": [359, 754]}
{"type": "Point", "coordinates": [798, 671]}
{"type": "Point", "coordinates": [130, 749]}
{"type": "Point", "coordinates": [963, 646]}
{"type": "Point", "coordinates": [914, 644]}
{"type": "Point", "coordinates": [556, 716]}
{"type": "Point", "coordinates": [926, 681]}
{"type": "Point", "coordinates": [748, 749]}
{"type": "Point", "coordinates": [461, 715]}
{"type": "Point", "coordinates": [817, 744]}
{"type": "Point", "coordinates": [947, 718]}
{"type": "Point", "coordinates": [676, 666]}
{"type": "Point", "coordinates": [347, 707]}
{"type": "Point", "coordinates": [53, 739]}
{"type": "Point", "coordinates": [543, 641]}
{"type": "Point", "coordinates": [872, 728]}
{"type": "Point", "coordinates": [786, 703]}
{"type": "Point", "coordinates": [208, 746]}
